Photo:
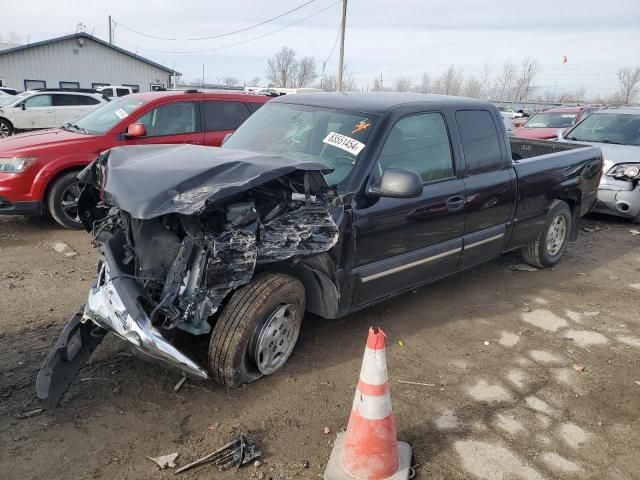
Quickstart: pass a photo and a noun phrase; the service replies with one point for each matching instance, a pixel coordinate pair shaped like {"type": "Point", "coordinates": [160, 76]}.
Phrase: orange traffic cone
{"type": "Point", "coordinates": [369, 449]}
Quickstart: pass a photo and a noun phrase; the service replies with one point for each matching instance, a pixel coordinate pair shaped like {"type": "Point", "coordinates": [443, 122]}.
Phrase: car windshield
{"type": "Point", "coordinates": [611, 127]}
{"type": "Point", "coordinates": [11, 99]}
{"type": "Point", "coordinates": [306, 133]}
{"type": "Point", "coordinates": [104, 118]}
{"type": "Point", "coordinates": [552, 120]}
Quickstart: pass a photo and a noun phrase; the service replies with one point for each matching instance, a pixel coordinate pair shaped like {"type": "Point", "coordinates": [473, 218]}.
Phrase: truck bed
{"type": "Point", "coordinates": [523, 148]}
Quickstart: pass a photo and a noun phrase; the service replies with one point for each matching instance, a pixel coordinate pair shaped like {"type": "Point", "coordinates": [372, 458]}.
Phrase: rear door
{"type": "Point", "coordinates": [401, 243]}
{"type": "Point", "coordinates": [490, 185]}
{"type": "Point", "coordinates": [37, 113]}
{"type": "Point", "coordinates": [222, 117]}
{"type": "Point", "coordinates": [68, 107]}
{"type": "Point", "coordinates": [175, 122]}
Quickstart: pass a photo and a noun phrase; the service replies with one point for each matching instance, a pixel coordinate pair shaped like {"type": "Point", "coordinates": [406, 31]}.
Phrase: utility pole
{"type": "Point", "coordinates": [110, 31]}
{"type": "Point", "coordinates": [341, 61]}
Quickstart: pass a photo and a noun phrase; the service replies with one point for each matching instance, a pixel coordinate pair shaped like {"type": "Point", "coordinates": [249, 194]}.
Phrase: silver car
{"type": "Point", "coordinates": [617, 132]}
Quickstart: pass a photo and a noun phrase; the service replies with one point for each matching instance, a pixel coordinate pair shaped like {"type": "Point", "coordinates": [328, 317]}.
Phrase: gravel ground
{"type": "Point", "coordinates": [536, 373]}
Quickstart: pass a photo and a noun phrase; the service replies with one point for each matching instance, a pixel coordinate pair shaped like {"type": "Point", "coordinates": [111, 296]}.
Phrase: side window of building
{"type": "Point", "coordinates": [222, 116]}
{"type": "Point", "coordinates": [38, 101]}
{"type": "Point", "coordinates": [480, 141]}
{"type": "Point", "coordinates": [419, 143]}
{"type": "Point", "coordinates": [171, 119]}
{"type": "Point", "coordinates": [60, 100]}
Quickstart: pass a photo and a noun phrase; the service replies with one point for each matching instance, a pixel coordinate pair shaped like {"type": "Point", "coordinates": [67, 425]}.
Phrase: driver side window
{"type": "Point", "coordinates": [38, 101]}
{"type": "Point", "coordinates": [171, 119]}
{"type": "Point", "coordinates": [419, 143]}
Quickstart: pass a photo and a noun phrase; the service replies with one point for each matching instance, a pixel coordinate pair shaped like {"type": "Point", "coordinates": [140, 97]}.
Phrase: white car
{"type": "Point", "coordinates": [509, 112]}
{"type": "Point", "coordinates": [47, 108]}
{"type": "Point", "coordinates": [115, 91]}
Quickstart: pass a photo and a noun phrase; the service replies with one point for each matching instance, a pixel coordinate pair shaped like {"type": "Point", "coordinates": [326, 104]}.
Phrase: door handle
{"type": "Point", "coordinates": [455, 203]}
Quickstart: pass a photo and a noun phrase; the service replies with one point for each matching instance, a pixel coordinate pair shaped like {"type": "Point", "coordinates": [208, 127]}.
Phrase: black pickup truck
{"type": "Point", "coordinates": [320, 203]}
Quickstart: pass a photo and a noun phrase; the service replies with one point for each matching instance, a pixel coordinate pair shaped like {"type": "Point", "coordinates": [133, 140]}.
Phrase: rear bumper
{"type": "Point", "coordinates": [20, 208]}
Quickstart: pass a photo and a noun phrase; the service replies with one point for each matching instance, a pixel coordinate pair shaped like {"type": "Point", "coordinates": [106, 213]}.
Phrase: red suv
{"type": "Point", "coordinates": [38, 170]}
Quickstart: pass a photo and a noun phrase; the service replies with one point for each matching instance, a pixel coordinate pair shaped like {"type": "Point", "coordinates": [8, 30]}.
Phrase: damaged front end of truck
{"type": "Point", "coordinates": [179, 229]}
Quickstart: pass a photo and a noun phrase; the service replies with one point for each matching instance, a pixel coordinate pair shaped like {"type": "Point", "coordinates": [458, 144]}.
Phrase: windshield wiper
{"type": "Point", "coordinates": [69, 126]}
{"type": "Point", "coordinates": [606, 140]}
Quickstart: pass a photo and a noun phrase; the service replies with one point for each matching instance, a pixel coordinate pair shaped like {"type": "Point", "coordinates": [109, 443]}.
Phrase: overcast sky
{"type": "Point", "coordinates": [392, 38]}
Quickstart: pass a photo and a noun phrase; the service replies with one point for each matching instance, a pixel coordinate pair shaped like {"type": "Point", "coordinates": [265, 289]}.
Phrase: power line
{"type": "Point", "coordinates": [211, 37]}
{"type": "Point", "coordinates": [206, 50]}
{"type": "Point", "coordinates": [335, 44]}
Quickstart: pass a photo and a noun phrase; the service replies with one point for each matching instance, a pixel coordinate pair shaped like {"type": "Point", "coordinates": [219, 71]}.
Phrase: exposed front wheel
{"type": "Point", "coordinates": [257, 330]}
{"type": "Point", "coordinates": [6, 128]}
{"type": "Point", "coordinates": [547, 249]}
{"type": "Point", "coordinates": [63, 200]}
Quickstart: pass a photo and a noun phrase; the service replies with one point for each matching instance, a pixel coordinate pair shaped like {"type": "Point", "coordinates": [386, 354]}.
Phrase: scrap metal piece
{"type": "Point", "coordinates": [165, 461]}
{"type": "Point", "coordinates": [237, 453]}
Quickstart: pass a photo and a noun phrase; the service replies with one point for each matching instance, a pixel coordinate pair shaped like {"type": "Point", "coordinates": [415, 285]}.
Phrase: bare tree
{"type": "Point", "coordinates": [629, 79]}
{"type": "Point", "coordinates": [305, 71]}
{"type": "Point", "coordinates": [377, 85]}
{"type": "Point", "coordinates": [255, 81]}
{"type": "Point", "coordinates": [329, 82]}
{"type": "Point", "coordinates": [472, 87]}
{"type": "Point", "coordinates": [425, 84]}
{"type": "Point", "coordinates": [449, 83]}
{"type": "Point", "coordinates": [230, 81]}
{"type": "Point", "coordinates": [12, 38]}
{"type": "Point", "coordinates": [524, 81]}
{"type": "Point", "coordinates": [281, 69]}
{"type": "Point", "coordinates": [403, 84]}
{"type": "Point", "coordinates": [485, 81]}
{"type": "Point", "coordinates": [505, 80]}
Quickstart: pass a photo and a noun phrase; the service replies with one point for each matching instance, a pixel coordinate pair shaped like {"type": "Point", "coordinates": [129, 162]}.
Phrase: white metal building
{"type": "Point", "coordinates": [79, 61]}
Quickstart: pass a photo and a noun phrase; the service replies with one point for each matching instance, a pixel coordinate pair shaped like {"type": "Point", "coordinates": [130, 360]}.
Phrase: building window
{"type": "Point", "coordinates": [135, 88]}
{"type": "Point", "coordinates": [34, 84]}
{"type": "Point", "coordinates": [69, 84]}
{"type": "Point", "coordinates": [154, 87]}
{"type": "Point", "coordinates": [99, 84]}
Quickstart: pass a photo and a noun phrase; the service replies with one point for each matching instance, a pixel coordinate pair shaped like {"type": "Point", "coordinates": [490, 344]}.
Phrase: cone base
{"type": "Point", "coordinates": [334, 470]}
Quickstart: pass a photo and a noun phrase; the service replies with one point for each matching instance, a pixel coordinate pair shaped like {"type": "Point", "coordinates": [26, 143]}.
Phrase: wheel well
{"type": "Point", "coordinates": [45, 197]}
{"type": "Point", "coordinates": [8, 121]}
{"type": "Point", "coordinates": [574, 206]}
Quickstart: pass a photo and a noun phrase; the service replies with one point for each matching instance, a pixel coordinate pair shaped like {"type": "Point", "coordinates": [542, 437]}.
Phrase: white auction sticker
{"type": "Point", "coordinates": [121, 113]}
{"type": "Point", "coordinates": [345, 143]}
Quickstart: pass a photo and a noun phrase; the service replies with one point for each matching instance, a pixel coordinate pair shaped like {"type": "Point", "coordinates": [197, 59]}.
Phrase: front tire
{"type": "Point", "coordinates": [62, 200]}
{"type": "Point", "coordinates": [6, 128]}
{"type": "Point", "coordinates": [257, 330]}
{"type": "Point", "coordinates": [546, 250]}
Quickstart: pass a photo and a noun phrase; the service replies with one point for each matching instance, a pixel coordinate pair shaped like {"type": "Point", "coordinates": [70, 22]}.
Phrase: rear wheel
{"type": "Point", "coordinates": [257, 330]}
{"type": "Point", "coordinates": [63, 200]}
{"type": "Point", "coordinates": [6, 128]}
{"type": "Point", "coordinates": [547, 249]}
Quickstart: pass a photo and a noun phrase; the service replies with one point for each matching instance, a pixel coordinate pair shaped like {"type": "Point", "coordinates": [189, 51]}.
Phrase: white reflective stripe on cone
{"type": "Point", "coordinates": [374, 367]}
{"type": "Point", "coordinates": [372, 407]}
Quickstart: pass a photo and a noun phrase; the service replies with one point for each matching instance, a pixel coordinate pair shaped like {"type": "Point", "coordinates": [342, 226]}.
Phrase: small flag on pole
{"type": "Point", "coordinates": [565, 60]}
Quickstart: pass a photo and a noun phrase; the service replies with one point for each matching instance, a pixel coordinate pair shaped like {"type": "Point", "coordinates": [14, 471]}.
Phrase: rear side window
{"type": "Point", "coordinates": [170, 119]}
{"type": "Point", "coordinates": [480, 141]}
{"type": "Point", "coordinates": [221, 116]}
{"type": "Point", "coordinates": [60, 100]}
{"type": "Point", "coordinates": [87, 100]}
{"type": "Point", "coordinates": [419, 143]}
{"type": "Point", "coordinates": [254, 107]}
{"type": "Point", "coordinates": [122, 92]}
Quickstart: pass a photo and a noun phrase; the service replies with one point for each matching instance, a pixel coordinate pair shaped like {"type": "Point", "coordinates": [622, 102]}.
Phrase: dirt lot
{"type": "Point", "coordinates": [501, 346]}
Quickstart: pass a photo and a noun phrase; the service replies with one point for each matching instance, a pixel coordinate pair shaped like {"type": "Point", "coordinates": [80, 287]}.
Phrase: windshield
{"type": "Point", "coordinates": [11, 99]}
{"type": "Point", "coordinates": [104, 118]}
{"type": "Point", "coordinates": [620, 128]}
{"type": "Point", "coordinates": [305, 133]}
{"type": "Point", "coordinates": [552, 120]}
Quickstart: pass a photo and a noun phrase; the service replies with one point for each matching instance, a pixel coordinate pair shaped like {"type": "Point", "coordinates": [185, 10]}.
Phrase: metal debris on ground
{"type": "Point", "coordinates": [237, 453]}
{"type": "Point", "coordinates": [30, 413]}
{"type": "Point", "coordinates": [523, 267]}
{"type": "Point", "coordinates": [326, 430]}
{"type": "Point", "coordinates": [407, 382]}
{"type": "Point", "coordinates": [64, 249]}
{"type": "Point", "coordinates": [637, 383]}
{"type": "Point", "coordinates": [591, 229]}
{"type": "Point", "coordinates": [180, 383]}
{"type": "Point", "coordinates": [165, 461]}
{"type": "Point", "coordinates": [579, 368]}
{"type": "Point", "coordinates": [634, 232]}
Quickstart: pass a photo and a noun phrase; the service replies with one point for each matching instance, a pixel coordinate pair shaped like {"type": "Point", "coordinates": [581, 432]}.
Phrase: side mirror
{"type": "Point", "coordinates": [135, 130]}
{"type": "Point", "coordinates": [23, 106]}
{"type": "Point", "coordinates": [225, 138]}
{"type": "Point", "coordinates": [559, 134]}
{"type": "Point", "coordinates": [397, 183]}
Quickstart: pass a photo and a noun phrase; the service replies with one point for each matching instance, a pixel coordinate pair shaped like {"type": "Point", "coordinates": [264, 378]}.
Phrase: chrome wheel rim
{"type": "Point", "coordinates": [69, 201]}
{"type": "Point", "coordinates": [556, 235]}
{"type": "Point", "coordinates": [4, 130]}
{"type": "Point", "coordinates": [276, 338]}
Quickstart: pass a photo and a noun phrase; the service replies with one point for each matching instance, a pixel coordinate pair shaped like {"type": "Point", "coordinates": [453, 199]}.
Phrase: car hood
{"type": "Point", "coordinates": [30, 143]}
{"type": "Point", "coordinates": [148, 181]}
{"type": "Point", "coordinates": [613, 154]}
{"type": "Point", "coordinates": [538, 133]}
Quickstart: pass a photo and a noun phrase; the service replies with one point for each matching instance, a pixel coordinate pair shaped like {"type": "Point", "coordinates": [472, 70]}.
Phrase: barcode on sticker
{"type": "Point", "coordinates": [343, 142]}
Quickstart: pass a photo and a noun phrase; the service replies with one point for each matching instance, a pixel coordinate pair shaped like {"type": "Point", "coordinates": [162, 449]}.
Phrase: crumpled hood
{"type": "Point", "coordinates": [148, 181]}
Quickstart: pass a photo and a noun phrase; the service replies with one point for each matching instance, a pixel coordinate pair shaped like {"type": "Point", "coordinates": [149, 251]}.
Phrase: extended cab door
{"type": "Point", "coordinates": [490, 185]}
{"type": "Point", "coordinates": [36, 113]}
{"type": "Point", "coordinates": [175, 122]}
{"type": "Point", "coordinates": [221, 118]}
{"type": "Point", "coordinates": [401, 243]}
